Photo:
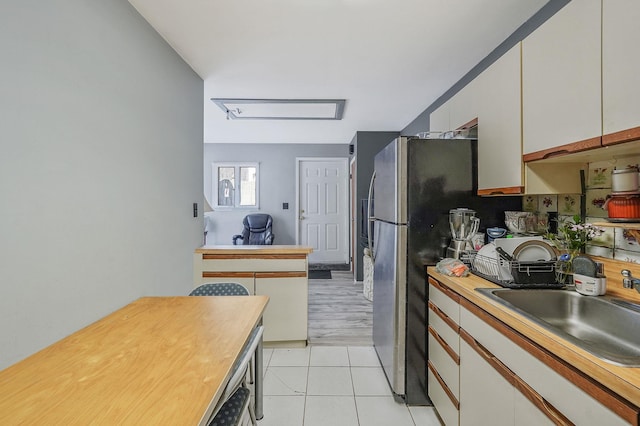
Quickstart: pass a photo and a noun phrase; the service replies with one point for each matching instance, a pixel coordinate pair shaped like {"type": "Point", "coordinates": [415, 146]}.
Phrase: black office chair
{"type": "Point", "coordinates": [257, 230]}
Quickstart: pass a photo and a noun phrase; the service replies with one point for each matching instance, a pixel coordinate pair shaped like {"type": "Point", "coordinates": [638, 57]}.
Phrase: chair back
{"type": "Point", "coordinates": [220, 289]}
{"type": "Point", "coordinates": [241, 365]}
{"type": "Point", "coordinates": [257, 230]}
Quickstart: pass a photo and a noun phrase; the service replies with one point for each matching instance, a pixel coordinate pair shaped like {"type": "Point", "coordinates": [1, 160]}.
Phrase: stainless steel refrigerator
{"type": "Point", "coordinates": [415, 184]}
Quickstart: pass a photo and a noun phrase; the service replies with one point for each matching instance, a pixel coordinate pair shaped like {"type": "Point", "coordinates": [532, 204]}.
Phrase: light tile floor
{"type": "Point", "coordinates": [333, 386]}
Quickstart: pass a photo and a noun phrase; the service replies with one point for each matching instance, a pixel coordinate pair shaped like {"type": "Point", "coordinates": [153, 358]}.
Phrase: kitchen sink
{"type": "Point", "coordinates": [607, 328]}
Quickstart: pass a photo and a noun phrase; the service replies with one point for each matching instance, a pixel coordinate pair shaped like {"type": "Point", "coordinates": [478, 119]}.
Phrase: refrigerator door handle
{"type": "Point", "coordinates": [369, 216]}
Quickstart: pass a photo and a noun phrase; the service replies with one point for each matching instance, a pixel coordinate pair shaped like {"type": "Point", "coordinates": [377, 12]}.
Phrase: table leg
{"type": "Point", "coordinates": [258, 376]}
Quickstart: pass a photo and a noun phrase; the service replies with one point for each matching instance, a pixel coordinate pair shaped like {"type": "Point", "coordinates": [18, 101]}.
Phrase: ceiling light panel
{"type": "Point", "coordinates": [281, 109]}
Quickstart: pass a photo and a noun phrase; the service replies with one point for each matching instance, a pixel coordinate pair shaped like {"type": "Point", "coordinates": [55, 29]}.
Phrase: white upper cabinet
{"type": "Point", "coordinates": [500, 125]}
{"type": "Point", "coordinates": [464, 106]}
{"type": "Point", "coordinates": [620, 65]}
{"type": "Point", "coordinates": [561, 78]}
{"type": "Point", "coordinates": [459, 110]}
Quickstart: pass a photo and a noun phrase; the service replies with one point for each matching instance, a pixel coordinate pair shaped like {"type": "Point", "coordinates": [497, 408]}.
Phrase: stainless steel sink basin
{"type": "Point", "coordinates": [607, 328]}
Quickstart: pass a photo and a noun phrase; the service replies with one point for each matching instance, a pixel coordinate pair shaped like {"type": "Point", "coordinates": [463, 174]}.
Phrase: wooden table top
{"type": "Point", "coordinates": [158, 360]}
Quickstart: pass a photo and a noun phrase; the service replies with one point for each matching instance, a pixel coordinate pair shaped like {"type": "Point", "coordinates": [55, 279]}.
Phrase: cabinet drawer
{"type": "Point", "coordinates": [253, 264]}
{"type": "Point", "coordinates": [447, 367]}
{"type": "Point", "coordinates": [444, 327]}
{"type": "Point", "coordinates": [444, 300]}
{"type": "Point", "coordinates": [446, 405]}
{"type": "Point", "coordinates": [576, 404]}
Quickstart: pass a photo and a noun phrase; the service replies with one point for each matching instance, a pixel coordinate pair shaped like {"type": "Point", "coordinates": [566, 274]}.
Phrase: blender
{"type": "Point", "coordinates": [464, 224]}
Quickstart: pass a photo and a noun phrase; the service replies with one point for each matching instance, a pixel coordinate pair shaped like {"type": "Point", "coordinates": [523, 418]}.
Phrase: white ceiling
{"type": "Point", "coordinates": [390, 60]}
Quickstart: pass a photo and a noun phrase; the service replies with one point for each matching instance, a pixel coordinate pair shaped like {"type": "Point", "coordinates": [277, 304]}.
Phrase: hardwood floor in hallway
{"type": "Point", "coordinates": [339, 314]}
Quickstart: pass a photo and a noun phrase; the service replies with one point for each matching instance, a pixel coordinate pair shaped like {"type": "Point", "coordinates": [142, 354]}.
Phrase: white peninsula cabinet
{"type": "Point", "coordinates": [277, 271]}
{"type": "Point", "coordinates": [500, 126]}
{"type": "Point", "coordinates": [620, 65]}
{"type": "Point", "coordinates": [561, 82]}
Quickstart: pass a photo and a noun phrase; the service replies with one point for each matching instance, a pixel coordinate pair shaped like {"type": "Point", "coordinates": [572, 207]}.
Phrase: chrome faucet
{"type": "Point", "coordinates": [629, 281]}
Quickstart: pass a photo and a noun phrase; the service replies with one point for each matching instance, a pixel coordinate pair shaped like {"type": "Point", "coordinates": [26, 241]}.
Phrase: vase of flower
{"type": "Point", "coordinates": [571, 241]}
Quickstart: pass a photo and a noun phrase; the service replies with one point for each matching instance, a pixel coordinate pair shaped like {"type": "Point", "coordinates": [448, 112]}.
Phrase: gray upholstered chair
{"type": "Point", "coordinates": [256, 230]}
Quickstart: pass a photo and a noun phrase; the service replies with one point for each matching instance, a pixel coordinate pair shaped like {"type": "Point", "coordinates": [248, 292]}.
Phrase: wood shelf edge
{"type": "Point", "coordinates": [509, 190]}
{"type": "Point", "coordinates": [562, 150]}
{"type": "Point", "coordinates": [633, 225]}
{"type": "Point", "coordinates": [627, 135]}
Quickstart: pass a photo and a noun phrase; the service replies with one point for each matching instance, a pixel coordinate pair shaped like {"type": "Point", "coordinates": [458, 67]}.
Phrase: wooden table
{"type": "Point", "coordinates": [158, 360]}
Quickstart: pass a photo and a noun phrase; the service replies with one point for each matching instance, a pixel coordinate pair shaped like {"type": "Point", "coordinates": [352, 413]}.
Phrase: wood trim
{"type": "Point", "coordinates": [623, 408]}
{"type": "Point", "coordinates": [470, 124]}
{"type": "Point", "coordinates": [284, 274]}
{"type": "Point", "coordinates": [206, 274]}
{"type": "Point", "coordinates": [564, 149]}
{"type": "Point", "coordinates": [448, 349]}
{"type": "Point", "coordinates": [209, 256]}
{"type": "Point", "coordinates": [497, 365]}
{"type": "Point", "coordinates": [508, 190]}
{"type": "Point", "coordinates": [444, 317]}
{"type": "Point", "coordinates": [444, 386]}
{"type": "Point", "coordinates": [446, 290]}
{"type": "Point", "coordinates": [544, 406]}
{"type": "Point", "coordinates": [622, 136]}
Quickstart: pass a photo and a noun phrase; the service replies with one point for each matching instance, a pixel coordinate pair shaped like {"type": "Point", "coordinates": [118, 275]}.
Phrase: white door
{"type": "Point", "coordinates": [323, 208]}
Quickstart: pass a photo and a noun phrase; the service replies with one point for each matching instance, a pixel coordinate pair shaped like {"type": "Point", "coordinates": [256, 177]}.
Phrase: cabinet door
{"type": "Point", "coordinates": [500, 126]}
{"type": "Point", "coordinates": [527, 414]}
{"type": "Point", "coordinates": [561, 79]}
{"type": "Point", "coordinates": [463, 106]}
{"type": "Point", "coordinates": [459, 110]}
{"type": "Point", "coordinates": [620, 63]}
{"type": "Point", "coordinates": [285, 317]}
{"type": "Point", "coordinates": [486, 397]}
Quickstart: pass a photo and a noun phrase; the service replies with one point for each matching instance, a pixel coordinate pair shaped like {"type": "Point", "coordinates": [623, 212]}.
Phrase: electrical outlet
{"type": "Point", "coordinates": [285, 206]}
{"type": "Point", "coordinates": [195, 209]}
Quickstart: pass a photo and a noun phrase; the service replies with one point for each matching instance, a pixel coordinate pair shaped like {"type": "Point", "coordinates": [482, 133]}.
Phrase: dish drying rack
{"type": "Point", "coordinates": [514, 274]}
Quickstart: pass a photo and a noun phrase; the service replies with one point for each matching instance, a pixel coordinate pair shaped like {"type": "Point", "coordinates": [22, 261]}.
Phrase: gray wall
{"type": "Point", "coordinates": [366, 146]}
{"type": "Point", "coordinates": [422, 122]}
{"type": "Point", "coordinates": [101, 161]}
{"type": "Point", "coordinates": [277, 184]}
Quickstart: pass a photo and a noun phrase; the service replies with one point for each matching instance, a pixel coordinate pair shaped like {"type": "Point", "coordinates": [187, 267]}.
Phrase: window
{"type": "Point", "coordinates": [235, 185]}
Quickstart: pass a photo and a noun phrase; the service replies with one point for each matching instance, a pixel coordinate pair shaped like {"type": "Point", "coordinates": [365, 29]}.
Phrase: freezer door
{"type": "Point", "coordinates": [390, 186]}
{"type": "Point", "coordinates": [389, 301]}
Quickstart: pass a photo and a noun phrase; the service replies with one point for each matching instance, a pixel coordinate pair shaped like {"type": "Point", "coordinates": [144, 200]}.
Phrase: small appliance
{"type": "Point", "coordinates": [464, 224]}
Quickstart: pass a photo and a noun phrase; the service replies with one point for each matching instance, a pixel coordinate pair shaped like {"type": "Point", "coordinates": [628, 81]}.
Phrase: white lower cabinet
{"type": "Point", "coordinates": [486, 397]}
{"type": "Point", "coordinates": [478, 376]}
{"type": "Point", "coordinates": [443, 372]}
{"type": "Point", "coordinates": [558, 396]}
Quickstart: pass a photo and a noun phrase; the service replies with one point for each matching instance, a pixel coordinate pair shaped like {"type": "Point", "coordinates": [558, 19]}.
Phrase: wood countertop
{"type": "Point", "coordinates": [625, 381]}
{"type": "Point", "coordinates": [249, 250]}
{"type": "Point", "coordinates": [158, 360]}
